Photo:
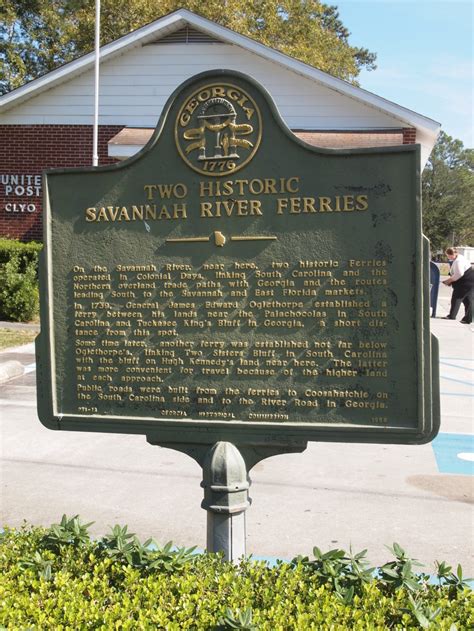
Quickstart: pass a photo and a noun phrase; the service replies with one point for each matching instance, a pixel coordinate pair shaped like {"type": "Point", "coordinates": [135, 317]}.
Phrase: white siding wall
{"type": "Point", "coordinates": [136, 85]}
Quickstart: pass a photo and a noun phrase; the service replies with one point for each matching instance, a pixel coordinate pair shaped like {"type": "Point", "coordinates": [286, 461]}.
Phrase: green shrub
{"type": "Point", "coordinates": [58, 578]}
{"type": "Point", "coordinates": [29, 252]}
{"type": "Point", "coordinates": [19, 296]}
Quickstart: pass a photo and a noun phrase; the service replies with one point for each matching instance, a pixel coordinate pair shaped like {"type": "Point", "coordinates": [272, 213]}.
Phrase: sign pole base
{"type": "Point", "coordinates": [226, 484]}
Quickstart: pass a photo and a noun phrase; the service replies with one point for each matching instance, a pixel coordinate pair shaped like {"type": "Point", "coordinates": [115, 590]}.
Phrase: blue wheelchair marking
{"type": "Point", "coordinates": [446, 448]}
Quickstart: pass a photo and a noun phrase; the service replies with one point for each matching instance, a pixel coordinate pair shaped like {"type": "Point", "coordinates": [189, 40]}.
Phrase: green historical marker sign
{"type": "Point", "coordinates": [231, 283]}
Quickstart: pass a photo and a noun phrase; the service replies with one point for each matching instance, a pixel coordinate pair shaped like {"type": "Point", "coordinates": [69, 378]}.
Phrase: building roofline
{"type": "Point", "coordinates": [182, 17]}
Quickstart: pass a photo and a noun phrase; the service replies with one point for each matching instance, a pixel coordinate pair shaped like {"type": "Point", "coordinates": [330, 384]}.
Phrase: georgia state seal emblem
{"type": "Point", "coordinates": [218, 129]}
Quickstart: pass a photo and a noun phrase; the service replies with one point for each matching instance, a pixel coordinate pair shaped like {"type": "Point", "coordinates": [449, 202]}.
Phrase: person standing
{"type": "Point", "coordinates": [461, 279]}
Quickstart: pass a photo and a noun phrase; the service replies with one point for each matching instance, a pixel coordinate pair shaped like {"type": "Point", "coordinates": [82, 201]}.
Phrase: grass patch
{"type": "Point", "coordinates": [15, 337]}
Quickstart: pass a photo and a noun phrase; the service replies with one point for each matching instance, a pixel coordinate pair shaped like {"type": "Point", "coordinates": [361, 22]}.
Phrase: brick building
{"type": "Point", "coordinates": [47, 123]}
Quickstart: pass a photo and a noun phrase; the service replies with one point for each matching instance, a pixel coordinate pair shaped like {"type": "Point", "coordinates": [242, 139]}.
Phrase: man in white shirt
{"type": "Point", "coordinates": [461, 278]}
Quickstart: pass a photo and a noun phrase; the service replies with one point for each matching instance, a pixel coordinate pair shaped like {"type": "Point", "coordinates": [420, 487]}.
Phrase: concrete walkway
{"type": "Point", "coordinates": [14, 361]}
{"type": "Point", "coordinates": [332, 495]}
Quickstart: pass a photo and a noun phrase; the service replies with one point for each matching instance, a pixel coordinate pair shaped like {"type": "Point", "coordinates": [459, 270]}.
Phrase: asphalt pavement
{"type": "Point", "coordinates": [331, 495]}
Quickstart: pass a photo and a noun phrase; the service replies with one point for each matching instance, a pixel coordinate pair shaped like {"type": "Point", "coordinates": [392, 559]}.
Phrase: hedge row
{"type": "Point", "coordinates": [58, 578]}
{"type": "Point", "coordinates": [19, 296]}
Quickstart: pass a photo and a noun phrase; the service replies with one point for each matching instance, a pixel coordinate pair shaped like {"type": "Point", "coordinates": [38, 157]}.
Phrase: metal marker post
{"type": "Point", "coordinates": [95, 139]}
{"type": "Point", "coordinates": [226, 484]}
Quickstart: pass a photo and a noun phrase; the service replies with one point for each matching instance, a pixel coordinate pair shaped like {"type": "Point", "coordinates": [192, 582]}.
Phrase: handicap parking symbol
{"type": "Point", "coordinates": [454, 453]}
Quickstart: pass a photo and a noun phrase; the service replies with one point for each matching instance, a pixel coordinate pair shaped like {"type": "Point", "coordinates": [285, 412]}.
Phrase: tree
{"type": "Point", "coordinates": [34, 39]}
{"type": "Point", "coordinates": [448, 194]}
{"type": "Point", "coordinates": [36, 36]}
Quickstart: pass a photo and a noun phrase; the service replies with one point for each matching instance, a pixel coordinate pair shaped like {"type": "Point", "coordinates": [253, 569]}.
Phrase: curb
{"type": "Point", "coordinates": [10, 370]}
{"type": "Point", "coordinates": [28, 348]}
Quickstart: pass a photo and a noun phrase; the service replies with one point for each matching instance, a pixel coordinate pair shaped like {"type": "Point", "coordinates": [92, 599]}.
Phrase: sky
{"type": "Point", "coordinates": [424, 56]}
